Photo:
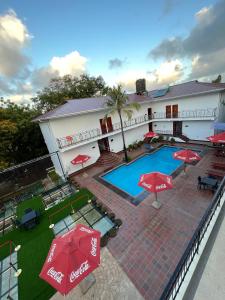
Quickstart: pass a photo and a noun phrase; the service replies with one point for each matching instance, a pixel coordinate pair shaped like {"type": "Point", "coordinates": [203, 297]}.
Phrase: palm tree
{"type": "Point", "coordinates": [117, 103]}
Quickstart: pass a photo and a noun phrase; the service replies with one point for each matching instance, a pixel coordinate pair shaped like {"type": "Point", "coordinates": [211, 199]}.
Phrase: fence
{"type": "Point", "coordinates": [176, 280]}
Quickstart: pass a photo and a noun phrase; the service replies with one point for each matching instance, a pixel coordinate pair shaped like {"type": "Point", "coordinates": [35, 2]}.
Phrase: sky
{"type": "Point", "coordinates": [164, 41]}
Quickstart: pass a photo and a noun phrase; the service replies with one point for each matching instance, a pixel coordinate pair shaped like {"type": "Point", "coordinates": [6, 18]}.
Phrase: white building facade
{"type": "Point", "coordinates": [77, 127]}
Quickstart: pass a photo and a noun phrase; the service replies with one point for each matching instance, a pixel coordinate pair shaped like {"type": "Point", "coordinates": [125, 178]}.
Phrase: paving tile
{"type": "Point", "coordinates": [150, 242]}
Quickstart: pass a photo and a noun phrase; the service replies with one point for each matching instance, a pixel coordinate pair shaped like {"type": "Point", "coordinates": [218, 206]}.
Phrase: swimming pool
{"type": "Point", "coordinates": [126, 177]}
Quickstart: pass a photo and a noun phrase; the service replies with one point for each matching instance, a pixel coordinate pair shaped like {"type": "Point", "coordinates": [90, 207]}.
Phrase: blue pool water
{"type": "Point", "coordinates": [126, 177]}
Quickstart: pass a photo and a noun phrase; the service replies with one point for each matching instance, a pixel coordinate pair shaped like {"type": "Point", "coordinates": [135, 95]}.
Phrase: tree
{"type": "Point", "coordinates": [69, 87]}
{"type": "Point", "coordinates": [21, 139]}
{"type": "Point", "coordinates": [218, 79]}
{"type": "Point", "coordinates": [117, 103]}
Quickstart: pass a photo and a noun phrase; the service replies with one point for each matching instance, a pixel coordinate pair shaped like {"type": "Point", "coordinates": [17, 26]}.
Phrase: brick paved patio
{"type": "Point", "coordinates": [151, 242]}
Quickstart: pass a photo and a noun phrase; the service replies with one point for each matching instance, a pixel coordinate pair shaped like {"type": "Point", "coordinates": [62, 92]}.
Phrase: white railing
{"type": "Point", "coordinates": [97, 132]}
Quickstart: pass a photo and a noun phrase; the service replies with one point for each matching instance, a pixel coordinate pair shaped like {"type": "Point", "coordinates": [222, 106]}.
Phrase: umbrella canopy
{"type": "Point", "coordinates": [150, 134]}
{"type": "Point", "coordinates": [217, 138]}
{"type": "Point", "coordinates": [80, 159]}
{"type": "Point", "coordinates": [188, 156]}
{"type": "Point", "coordinates": [71, 258]}
{"type": "Point", "coordinates": [156, 182]}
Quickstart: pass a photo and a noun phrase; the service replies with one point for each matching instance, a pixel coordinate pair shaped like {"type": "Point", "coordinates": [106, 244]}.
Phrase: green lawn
{"type": "Point", "coordinates": [36, 242]}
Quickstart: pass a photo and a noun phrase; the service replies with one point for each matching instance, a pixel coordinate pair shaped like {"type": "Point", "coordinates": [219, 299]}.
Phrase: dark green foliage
{"type": "Point", "coordinates": [21, 139]}
{"type": "Point", "coordinates": [68, 87]}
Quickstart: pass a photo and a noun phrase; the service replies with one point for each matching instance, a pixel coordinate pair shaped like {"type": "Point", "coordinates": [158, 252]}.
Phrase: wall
{"type": "Point", "coordinates": [71, 125]}
{"type": "Point", "coordinates": [198, 130]}
{"type": "Point", "coordinates": [131, 136]}
{"type": "Point", "coordinates": [91, 149]}
{"type": "Point", "coordinates": [190, 103]}
{"type": "Point", "coordinates": [52, 146]}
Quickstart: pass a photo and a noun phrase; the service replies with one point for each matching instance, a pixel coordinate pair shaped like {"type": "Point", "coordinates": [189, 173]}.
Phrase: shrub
{"type": "Point", "coordinates": [160, 138]}
{"type": "Point", "coordinates": [112, 216]}
{"type": "Point", "coordinates": [112, 232]}
{"type": "Point", "coordinates": [172, 140]}
{"type": "Point", "coordinates": [140, 143]}
{"type": "Point", "coordinates": [118, 222]}
{"type": "Point", "coordinates": [104, 241]}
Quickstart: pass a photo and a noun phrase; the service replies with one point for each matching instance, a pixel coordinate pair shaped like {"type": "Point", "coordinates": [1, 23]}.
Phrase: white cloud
{"type": "Point", "coordinates": [14, 36]}
{"type": "Point", "coordinates": [167, 73]}
{"type": "Point", "coordinates": [205, 15]}
{"type": "Point", "coordinates": [72, 63]}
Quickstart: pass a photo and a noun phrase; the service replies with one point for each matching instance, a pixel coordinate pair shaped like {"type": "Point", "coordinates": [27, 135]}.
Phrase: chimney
{"type": "Point", "coordinates": [140, 86]}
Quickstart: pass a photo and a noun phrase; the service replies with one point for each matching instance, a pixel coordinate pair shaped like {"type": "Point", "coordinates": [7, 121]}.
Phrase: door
{"type": "Point", "coordinates": [175, 111]}
{"type": "Point", "coordinates": [168, 111]}
{"type": "Point", "coordinates": [177, 128]}
{"type": "Point", "coordinates": [109, 124]}
{"type": "Point", "coordinates": [150, 126]}
{"type": "Point", "coordinates": [150, 113]}
{"type": "Point", "coordinates": [103, 145]}
{"type": "Point", "coordinates": [103, 126]}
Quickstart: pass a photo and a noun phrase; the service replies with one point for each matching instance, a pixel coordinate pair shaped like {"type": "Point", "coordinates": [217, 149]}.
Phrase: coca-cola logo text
{"type": "Point", "coordinates": [57, 276]}
{"type": "Point", "coordinates": [51, 254]}
{"type": "Point", "coordinates": [85, 229]}
{"type": "Point", "coordinates": [77, 273]}
{"type": "Point", "coordinates": [93, 246]}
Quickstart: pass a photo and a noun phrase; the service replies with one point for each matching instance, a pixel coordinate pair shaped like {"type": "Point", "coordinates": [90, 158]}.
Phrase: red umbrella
{"type": "Point", "coordinates": [150, 134]}
{"type": "Point", "coordinates": [71, 258]}
{"type": "Point", "coordinates": [217, 138]}
{"type": "Point", "coordinates": [188, 156]}
{"type": "Point", "coordinates": [80, 159]}
{"type": "Point", "coordinates": [156, 182]}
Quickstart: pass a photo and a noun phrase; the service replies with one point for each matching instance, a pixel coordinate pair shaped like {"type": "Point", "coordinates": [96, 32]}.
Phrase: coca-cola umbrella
{"type": "Point", "coordinates": [156, 182]}
{"type": "Point", "coordinates": [150, 134]}
{"type": "Point", "coordinates": [71, 258]}
{"type": "Point", "coordinates": [187, 155]}
{"type": "Point", "coordinates": [80, 159]}
{"type": "Point", "coordinates": [217, 138]}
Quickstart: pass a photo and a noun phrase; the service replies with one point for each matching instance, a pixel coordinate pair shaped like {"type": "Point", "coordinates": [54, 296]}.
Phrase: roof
{"type": "Point", "coordinates": [79, 106]}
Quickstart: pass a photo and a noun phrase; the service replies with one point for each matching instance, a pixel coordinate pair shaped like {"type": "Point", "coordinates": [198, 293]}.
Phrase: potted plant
{"type": "Point", "coordinates": [172, 141]}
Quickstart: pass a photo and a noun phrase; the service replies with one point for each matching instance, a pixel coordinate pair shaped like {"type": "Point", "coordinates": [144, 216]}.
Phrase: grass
{"type": "Point", "coordinates": [35, 244]}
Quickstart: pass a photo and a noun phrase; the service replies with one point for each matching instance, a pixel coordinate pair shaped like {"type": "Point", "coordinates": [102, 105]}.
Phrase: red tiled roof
{"type": "Point", "coordinates": [79, 106]}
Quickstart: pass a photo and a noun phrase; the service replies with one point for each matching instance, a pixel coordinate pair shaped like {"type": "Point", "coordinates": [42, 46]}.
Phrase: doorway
{"type": "Point", "coordinates": [149, 113]}
{"type": "Point", "coordinates": [177, 128]}
{"type": "Point", "coordinates": [104, 145]}
{"type": "Point", "coordinates": [150, 126]}
{"type": "Point", "coordinates": [175, 111]}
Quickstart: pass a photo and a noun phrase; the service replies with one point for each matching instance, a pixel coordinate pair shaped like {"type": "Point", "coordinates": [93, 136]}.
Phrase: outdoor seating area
{"type": "Point", "coordinates": [30, 219]}
{"type": "Point", "coordinates": [208, 183]}
{"type": "Point", "coordinates": [93, 215]}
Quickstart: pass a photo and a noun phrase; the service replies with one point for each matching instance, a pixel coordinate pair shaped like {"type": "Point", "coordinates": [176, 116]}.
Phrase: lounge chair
{"type": "Point", "coordinates": [219, 166]}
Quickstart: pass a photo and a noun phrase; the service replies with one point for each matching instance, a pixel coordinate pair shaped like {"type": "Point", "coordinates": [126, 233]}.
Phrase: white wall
{"type": "Point", "coordinates": [131, 136]}
{"type": "Point", "coordinates": [91, 149]}
{"type": "Point", "coordinates": [189, 103]}
{"type": "Point", "coordinates": [163, 126]}
{"type": "Point", "coordinates": [198, 130]}
{"type": "Point", "coordinates": [75, 124]}
{"type": "Point", "coordinates": [52, 146]}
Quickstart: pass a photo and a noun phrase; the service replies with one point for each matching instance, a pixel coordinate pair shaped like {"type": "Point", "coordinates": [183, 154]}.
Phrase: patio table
{"type": "Point", "coordinates": [29, 217]}
{"type": "Point", "coordinates": [211, 182]}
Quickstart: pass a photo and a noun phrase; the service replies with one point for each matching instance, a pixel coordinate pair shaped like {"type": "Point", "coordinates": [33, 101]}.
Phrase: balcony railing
{"type": "Point", "coordinates": [177, 278]}
{"type": "Point", "coordinates": [96, 132]}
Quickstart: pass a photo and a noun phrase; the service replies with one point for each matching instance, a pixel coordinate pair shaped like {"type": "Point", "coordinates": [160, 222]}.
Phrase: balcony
{"type": "Point", "coordinates": [83, 136]}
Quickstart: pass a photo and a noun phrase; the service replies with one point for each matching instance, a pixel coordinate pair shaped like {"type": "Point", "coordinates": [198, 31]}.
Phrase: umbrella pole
{"type": "Point", "coordinates": [156, 204]}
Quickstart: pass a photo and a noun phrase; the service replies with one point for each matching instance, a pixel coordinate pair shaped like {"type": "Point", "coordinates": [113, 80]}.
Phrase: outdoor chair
{"type": "Point", "coordinates": [112, 216]}
{"type": "Point", "coordinates": [215, 174]}
{"type": "Point", "coordinates": [38, 214]}
{"type": "Point", "coordinates": [16, 223]}
{"type": "Point", "coordinates": [200, 183]}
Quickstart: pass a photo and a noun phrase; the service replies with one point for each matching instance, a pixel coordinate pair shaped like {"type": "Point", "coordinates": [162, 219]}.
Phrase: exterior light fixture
{"type": "Point", "coordinates": [17, 248]}
{"type": "Point", "coordinates": [51, 226]}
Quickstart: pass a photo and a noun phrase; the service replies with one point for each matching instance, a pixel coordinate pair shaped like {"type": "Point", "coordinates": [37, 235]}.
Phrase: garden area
{"type": "Point", "coordinates": [35, 243]}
